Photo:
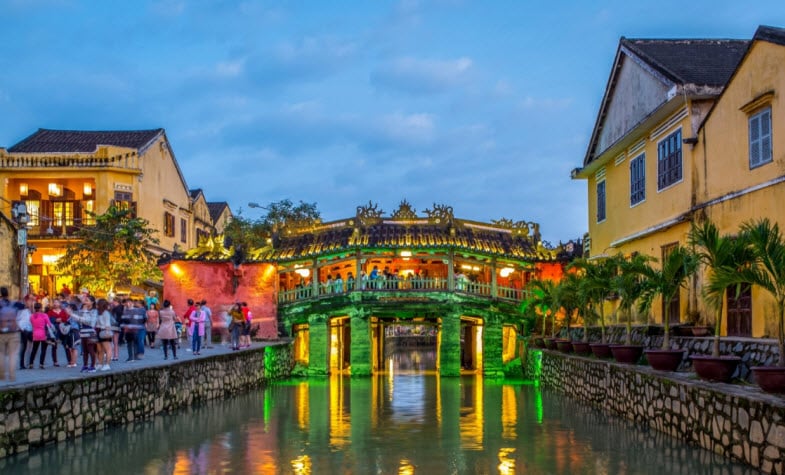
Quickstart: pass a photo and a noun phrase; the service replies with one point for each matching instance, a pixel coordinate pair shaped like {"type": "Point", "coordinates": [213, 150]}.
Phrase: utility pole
{"type": "Point", "coordinates": [21, 217]}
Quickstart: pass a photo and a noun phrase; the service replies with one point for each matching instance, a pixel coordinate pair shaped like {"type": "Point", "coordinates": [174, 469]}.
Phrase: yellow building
{"type": "Point", "coordinates": [671, 146]}
{"type": "Point", "coordinates": [64, 175]}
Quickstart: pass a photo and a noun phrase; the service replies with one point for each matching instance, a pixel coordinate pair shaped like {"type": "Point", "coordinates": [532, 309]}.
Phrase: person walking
{"type": "Point", "coordinates": [186, 325]}
{"type": "Point", "coordinates": [9, 336]}
{"type": "Point", "coordinates": [25, 329]}
{"type": "Point", "coordinates": [117, 308]}
{"type": "Point", "coordinates": [103, 326]}
{"type": "Point", "coordinates": [151, 326]}
{"type": "Point", "coordinates": [167, 332]}
{"type": "Point", "coordinates": [208, 325]}
{"type": "Point", "coordinates": [238, 320]}
{"type": "Point", "coordinates": [40, 322]}
{"type": "Point", "coordinates": [197, 331]}
{"type": "Point", "coordinates": [245, 339]}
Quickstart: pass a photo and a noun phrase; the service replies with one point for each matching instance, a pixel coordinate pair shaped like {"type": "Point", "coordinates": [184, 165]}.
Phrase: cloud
{"type": "Point", "coordinates": [307, 57]}
{"type": "Point", "coordinates": [421, 76]}
{"type": "Point", "coordinates": [545, 104]}
{"type": "Point", "coordinates": [168, 8]}
{"type": "Point", "coordinates": [230, 68]}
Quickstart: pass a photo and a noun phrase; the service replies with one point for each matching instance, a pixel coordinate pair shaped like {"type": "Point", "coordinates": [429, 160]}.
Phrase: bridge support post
{"type": "Point", "coordinates": [492, 343]}
{"type": "Point", "coordinates": [450, 346]}
{"type": "Point", "coordinates": [360, 356]}
{"type": "Point", "coordinates": [319, 344]}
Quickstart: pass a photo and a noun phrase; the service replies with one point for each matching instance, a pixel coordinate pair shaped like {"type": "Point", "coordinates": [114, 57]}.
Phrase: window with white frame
{"type": "Point", "coordinates": [669, 168]}
{"type": "Point", "coordinates": [601, 201]}
{"type": "Point", "coordinates": [760, 137]}
{"type": "Point", "coordinates": [638, 179]}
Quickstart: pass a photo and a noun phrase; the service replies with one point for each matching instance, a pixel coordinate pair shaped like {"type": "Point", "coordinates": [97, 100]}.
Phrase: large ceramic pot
{"type": "Point", "coordinates": [770, 378]}
{"type": "Point", "coordinates": [702, 331]}
{"type": "Point", "coordinates": [601, 350]}
{"type": "Point", "coordinates": [581, 347]}
{"type": "Point", "coordinates": [539, 342]}
{"type": "Point", "coordinates": [715, 368]}
{"type": "Point", "coordinates": [565, 346]}
{"type": "Point", "coordinates": [550, 343]}
{"type": "Point", "coordinates": [664, 360]}
{"type": "Point", "coordinates": [629, 354]}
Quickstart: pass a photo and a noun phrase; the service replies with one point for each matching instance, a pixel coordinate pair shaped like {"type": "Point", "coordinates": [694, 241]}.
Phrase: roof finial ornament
{"type": "Point", "coordinates": [405, 211]}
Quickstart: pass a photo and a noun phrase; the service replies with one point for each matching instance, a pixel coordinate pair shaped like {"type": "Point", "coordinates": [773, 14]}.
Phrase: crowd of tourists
{"type": "Point", "coordinates": [98, 328]}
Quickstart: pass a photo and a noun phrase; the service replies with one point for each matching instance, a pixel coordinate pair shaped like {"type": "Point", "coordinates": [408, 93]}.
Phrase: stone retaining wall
{"type": "Point", "coordinates": [36, 415]}
{"type": "Point", "coordinates": [752, 351]}
{"type": "Point", "coordinates": [736, 421]}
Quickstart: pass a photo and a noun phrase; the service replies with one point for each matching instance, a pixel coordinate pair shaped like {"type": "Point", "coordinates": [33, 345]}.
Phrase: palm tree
{"type": "Point", "coordinates": [715, 252]}
{"type": "Point", "coordinates": [568, 295]}
{"type": "Point", "coordinates": [767, 270]}
{"type": "Point", "coordinates": [628, 285]}
{"type": "Point", "coordinates": [541, 296]}
{"type": "Point", "coordinates": [596, 286]}
{"type": "Point", "coordinates": [677, 267]}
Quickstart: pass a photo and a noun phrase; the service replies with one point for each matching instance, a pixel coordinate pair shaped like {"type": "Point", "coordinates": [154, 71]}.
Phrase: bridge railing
{"type": "Point", "coordinates": [410, 285]}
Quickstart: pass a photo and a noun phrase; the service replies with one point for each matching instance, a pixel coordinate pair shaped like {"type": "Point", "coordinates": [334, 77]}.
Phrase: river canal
{"type": "Point", "coordinates": [407, 421]}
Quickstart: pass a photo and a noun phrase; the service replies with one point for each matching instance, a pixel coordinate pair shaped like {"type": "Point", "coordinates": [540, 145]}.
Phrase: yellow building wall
{"type": "Point", "coordinates": [623, 220]}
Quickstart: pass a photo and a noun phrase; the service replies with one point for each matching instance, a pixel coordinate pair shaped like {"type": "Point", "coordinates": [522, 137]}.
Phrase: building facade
{"type": "Point", "coordinates": [676, 121]}
{"type": "Point", "coordinates": [63, 176]}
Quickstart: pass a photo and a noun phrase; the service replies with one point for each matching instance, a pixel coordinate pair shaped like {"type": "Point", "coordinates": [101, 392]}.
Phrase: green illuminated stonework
{"type": "Point", "coordinates": [492, 346]}
{"type": "Point", "coordinates": [360, 356]}
{"type": "Point", "coordinates": [319, 345]}
{"type": "Point", "coordinates": [450, 350]}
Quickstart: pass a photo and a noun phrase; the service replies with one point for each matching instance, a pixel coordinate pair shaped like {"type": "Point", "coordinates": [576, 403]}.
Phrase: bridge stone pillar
{"type": "Point", "coordinates": [450, 347]}
{"type": "Point", "coordinates": [492, 342]}
{"type": "Point", "coordinates": [360, 355]}
{"type": "Point", "coordinates": [318, 336]}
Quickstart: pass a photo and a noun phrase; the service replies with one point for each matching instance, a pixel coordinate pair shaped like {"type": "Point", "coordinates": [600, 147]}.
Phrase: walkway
{"type": "Point", "coordinates": [152, 357]}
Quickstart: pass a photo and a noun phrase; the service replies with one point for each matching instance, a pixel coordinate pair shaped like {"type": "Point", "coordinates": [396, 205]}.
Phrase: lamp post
{"type": "Point", "coordinates": [21, 217]}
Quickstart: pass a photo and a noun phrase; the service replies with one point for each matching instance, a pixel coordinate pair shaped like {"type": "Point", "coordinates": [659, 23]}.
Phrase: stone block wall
{"type": "Point", "coordinates": [36, 415]}
{"type": "Point", "coordinates": [739, 422]}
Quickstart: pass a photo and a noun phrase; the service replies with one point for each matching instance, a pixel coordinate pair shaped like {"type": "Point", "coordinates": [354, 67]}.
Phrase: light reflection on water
{"type": "Point", "coordinates": [407, 421]}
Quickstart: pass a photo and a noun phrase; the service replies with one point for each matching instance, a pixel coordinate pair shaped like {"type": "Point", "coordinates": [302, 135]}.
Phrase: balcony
{"type": "Point", "coordinates": [413, 287]}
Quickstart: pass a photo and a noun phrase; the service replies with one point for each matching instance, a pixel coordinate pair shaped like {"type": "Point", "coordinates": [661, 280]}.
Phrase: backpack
{"type": "Point", "coordinates": [8, 319]}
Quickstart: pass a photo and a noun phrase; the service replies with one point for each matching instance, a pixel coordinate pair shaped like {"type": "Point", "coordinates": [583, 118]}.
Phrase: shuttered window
{"type": "Point", "coordinates": [669, 168]}
{"type": "Point", "coordinates": [601, 201]}
{"type": "Point", "coordinates": [637, 179]}
{"type": "Point", "coordinates": [760, 138]}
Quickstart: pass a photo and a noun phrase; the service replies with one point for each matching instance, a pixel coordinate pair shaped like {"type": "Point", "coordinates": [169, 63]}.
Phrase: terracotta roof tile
{"type": "Point", "coordinates": [82, 141]}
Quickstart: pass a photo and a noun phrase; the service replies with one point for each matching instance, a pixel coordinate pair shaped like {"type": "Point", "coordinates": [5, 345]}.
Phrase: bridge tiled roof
{"type": "Point", "coordinates": [83, 141]}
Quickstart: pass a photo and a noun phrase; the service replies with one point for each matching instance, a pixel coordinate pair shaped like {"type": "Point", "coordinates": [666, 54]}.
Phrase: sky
{"type": "Point", "coordinates": [485, 106]}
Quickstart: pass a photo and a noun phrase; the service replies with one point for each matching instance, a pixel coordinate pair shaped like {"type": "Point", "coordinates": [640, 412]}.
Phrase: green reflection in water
{"type": "Point", "coordinates": [400, 422]}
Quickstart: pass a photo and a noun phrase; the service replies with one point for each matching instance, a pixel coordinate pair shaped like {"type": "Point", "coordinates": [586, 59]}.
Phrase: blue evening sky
{"type": "Point", "coordinates": [482, 105]}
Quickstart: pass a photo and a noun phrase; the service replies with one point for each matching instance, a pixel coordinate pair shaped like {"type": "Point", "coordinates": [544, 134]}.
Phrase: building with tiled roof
{"type": "Point", "coordinates": [67, 176]}
{"type": "Point", "coordinates": [323, 280]}
{"type": "Point", "coordinates": [688, 130]}
{"type": "Point", "coordinates": [220, 213]}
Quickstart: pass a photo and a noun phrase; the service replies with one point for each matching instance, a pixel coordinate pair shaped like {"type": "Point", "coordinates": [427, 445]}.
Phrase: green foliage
{"type": "Point", "coordinates": [679, 265]}
{"type": "Point", "coordinates": [716, 252]}
{"type": "Point", "coordinates": [248, 234]}
{"type": "Point", "coordinates": [595, 287]}
{"type": "Point", "coordinates": [627, 283]}
{"type": "Point", "coordinates": [115, 251]}
{"type": "Point", "coordinates": [541, 299]}
{"type": "Point", "coordinates": [767, 269]}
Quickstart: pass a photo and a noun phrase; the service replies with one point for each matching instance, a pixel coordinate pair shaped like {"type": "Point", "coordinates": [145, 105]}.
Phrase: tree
{"type": "Point", "coordinates": [767, 270]}
{"type": "Point", "coordinates": [541, 296]}
{"type": "Point", "coordinates": [115, 251]}
{"type": "Point", "coordinates": [716, 252]}
{"type": "Point", "coordinates": [246, 234]}
{"type": "Point", "coordinates": [677, 267]}
{"type": "Point", "coordinates": [627, 283]}
{"type": "Point", "coordinates": [595, 285]}
{"type": "Point", "coordinates": [569, 298]}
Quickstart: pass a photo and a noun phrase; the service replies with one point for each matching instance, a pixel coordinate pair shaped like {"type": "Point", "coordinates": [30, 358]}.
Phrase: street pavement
{"type": "Point", "coordinates": [152, 357]}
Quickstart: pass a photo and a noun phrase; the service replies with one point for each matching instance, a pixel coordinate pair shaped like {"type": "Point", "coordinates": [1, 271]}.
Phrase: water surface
{"type": "Point", "coordinates": [408, 421]}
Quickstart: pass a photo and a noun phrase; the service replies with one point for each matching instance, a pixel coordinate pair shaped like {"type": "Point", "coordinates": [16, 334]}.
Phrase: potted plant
{"type": "Point", "coordinates": [540, 300]}
{"type": "Point", "coordinates": [569, 299]}
{"type": "Point", "coordinates": [594, 287]}
{"type": "Point", "coordinates": [715, 252]}
{"type": "Point", "coordinates": [677, 267]}
{"type": "Point", "coordinates": [766, 271]}
{"type": "Point", "coordinates": [628, 285]}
